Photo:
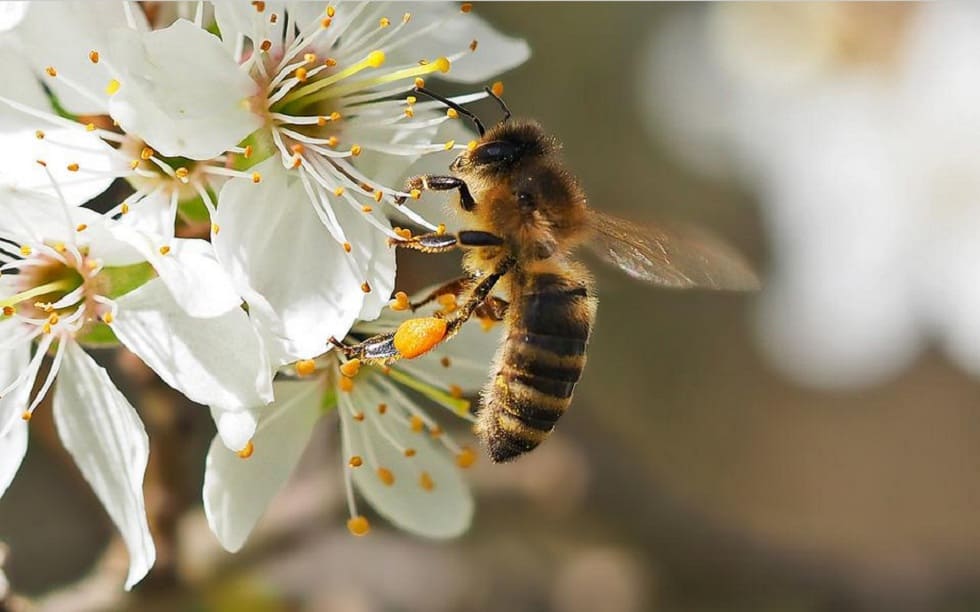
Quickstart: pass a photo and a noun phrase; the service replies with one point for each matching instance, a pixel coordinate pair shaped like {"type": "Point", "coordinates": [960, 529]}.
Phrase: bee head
{"type": "Point", "coordinates": [504, 147]}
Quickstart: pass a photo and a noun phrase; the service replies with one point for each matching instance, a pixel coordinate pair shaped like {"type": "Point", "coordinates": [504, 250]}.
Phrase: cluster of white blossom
{"type": "Point", "coordinates": [281, 131]}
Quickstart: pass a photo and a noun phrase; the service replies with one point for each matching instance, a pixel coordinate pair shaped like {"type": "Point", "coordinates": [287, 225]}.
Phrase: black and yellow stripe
{"type": "Point", "coordinates": [539, 364]}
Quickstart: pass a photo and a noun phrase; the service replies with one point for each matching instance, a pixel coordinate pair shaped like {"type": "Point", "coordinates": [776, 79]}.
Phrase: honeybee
{"type": "Point", "coordinates": [525, 216]}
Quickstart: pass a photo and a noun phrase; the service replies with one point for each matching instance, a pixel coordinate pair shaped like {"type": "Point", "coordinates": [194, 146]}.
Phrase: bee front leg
{"type": "Point", "coordinates": [429, 182]}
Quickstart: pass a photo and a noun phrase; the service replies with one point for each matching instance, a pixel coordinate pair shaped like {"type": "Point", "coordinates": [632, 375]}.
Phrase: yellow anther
{"type": "Point", "coordinates": [112, 87]}
{"type": "Point", "coordinates": [72, 167]}
{"type": "Point", "coordinates": [351, 368]}
{"type": "Point", "coordinates": [297, 161]}
{"type": "Point", "coordinates": [346, 384]}
{"type": "Point", "coordinates": [325, 22]}
{"type": "Point", "coordinates": [89, 127]}
{"type": "Point", "coordinates": [416, 337]}
{"type": "Point", "coordinates": [445, 362]}
{"type": "Point", "coordinates": [471, 145]}
{"type": "Point", "coordinates": [473, 44]}
{"type": "Point", "coordinates": [406, 17]}
{"type": "Point", "coordinates": [403, 233]}
{"type": "Point", "coordinates": [146, 153]}
{"type": "Point", "coordinates": [436, 431]}
{"type": "Point", "coordinates": [265, 45]}
{"type": "Point", "coordinates": [355, 150]}
{"type": "Point", "coordinates": [330, 62]}
{"type": "Point", "coordinates": [124, 209]}
{"type": "Point", "coordinates": [377, 197]}
{"type": "Point", "coordinates": [416, 423]}
{"type": "Point", "coordinates": [8, 311]}
{"type": "Point", "coordinates": [41, 162]}
{"type": "Point", "coordinates": [305, 367]}
{"type": "Point", "coordinates": [456, 391]}
{"type": "Point", "coordinates": [53, 319]}
{"type": "Point", "coordinates": [182, 173]}
{"type": "Point", "coordinates": [331, 11]}
{"type": "Point", "coordinates": [81, 227]}
{"type": "Point", "coordinates": [273, 18]}
{"type": "Point", "coordinates": [449, 145]}
{"type": "Point", "coordinates": [466, 7]}
{"type": "Point", "coordinates": [409, 452]}
{"type": "Point", "coordinates": [382, 408]}
{"type": "Point", "coordinates": [310, 58]}
{"type": "Point", "coordinates": [259, 6]}
{"type": "Point", "coordinates": [25, 250]}
{"type": "Point", "coordinates": [366, 208]}
{"type": "Point", "coordinates": [46, 328]}
{"type": "Point", "coordinates": [164, 250]}
{"type": "Point", "coordinates": [39, 134]}
{"type": "Point", "coordinates": [385, 475]}
{"type": "Point", "coordinates": [134, 164]}
{"type": "Point", "coordinates": [256, 177]}
{"type": "Point", "coordinates": [321, 121]}
{"type": "Point", "coordinates": [366, 287]}
{"type": "Point", "coordinates": [215, 228]}
{"type": "Point", "coordinates": [497, 88]}
{"type": "Point", "coordinates": [426, 482]}
{"type": "Point", "coordinates": [93, 56]}
{"type": "Point", "coordinates": [246, 452]}
{"type": "Point", "coordinates": [466, 457]}
{"type": "Point", "coordinates": [301, 74]}
{"type": "Point", "coordinates": [411, 100]}
{"type": "Point", "coordinates": [400, 302]}
{"type": "Point", "coordinates": [415, 193]}
{"type": "Point", "coordinates": [451, 113]}
{"type": "Point", "coordinates": [247, 153]}
{"type": "Point", "coordinates": [51, 72]}
{"type": "Point", "coordinates": [358, 525]}
{"type": "Point", "coordinates": [60, 247]}
{"type": "Point", "coordinates": [384, 22]}
{"type": "Point", "coordinates": [335, 116]}
{"type": "Point", "coordinates": [409, 112]}
{"type": "Point", "coordinates": [358, 416]}
{"type": "Point", "coordinates": [355, 461]}
{"type": "Point", "coordinates": [441, 230]}
{"type": "Point", "coordinates": [443, 64]}
{"type": "Point", "coordinates": [376, 58]}
{"type": "Point", "coordinates": [26, 415]}
{"type": "Point", "coordinates": [419, 82]}
{"type": "Point", "coordinates": [347, 247]}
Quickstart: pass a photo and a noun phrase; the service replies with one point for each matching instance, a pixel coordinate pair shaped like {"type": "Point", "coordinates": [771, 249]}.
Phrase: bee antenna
{"type": "Point", "coordinates": [503, 105]}
{"type": "Point", "coordinates": [456, 107]}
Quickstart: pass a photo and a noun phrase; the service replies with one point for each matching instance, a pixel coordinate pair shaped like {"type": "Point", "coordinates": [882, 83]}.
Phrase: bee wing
{"type": "Point", "coordinates": [674, 258]}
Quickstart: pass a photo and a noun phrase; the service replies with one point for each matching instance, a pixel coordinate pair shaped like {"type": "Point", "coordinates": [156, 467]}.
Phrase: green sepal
{"type": "Point", "coordinates": [98, 335]}
{"type": "Point", "coordinates": [329, 401]}
{"type": "Point", "coordinates": [194, 210]}
{"type": "Point", "coordinates": [120, 280]}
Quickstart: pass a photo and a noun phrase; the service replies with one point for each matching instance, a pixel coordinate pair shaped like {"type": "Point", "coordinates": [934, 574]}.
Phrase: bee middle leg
{"type": "Point", "coordinates": [436, 242]}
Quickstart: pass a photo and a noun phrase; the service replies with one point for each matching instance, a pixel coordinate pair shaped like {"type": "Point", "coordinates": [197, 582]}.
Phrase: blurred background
{"type": "Point", "coordinates": [811, 447]}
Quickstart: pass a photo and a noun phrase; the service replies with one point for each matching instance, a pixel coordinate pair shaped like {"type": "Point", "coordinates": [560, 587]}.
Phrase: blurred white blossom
{"type": "Point", "coordinates": [856, 125]}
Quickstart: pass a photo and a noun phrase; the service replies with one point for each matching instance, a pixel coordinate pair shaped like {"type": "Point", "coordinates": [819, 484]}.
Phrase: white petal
{"type": "Point", "coordinates": [236, 490]}
{"type": "Point", "coordinates": [373, 257]}
{"type": "Point", "coordinates": [106, 438]}
{"type": "Point", "coordinates": [13, 447]}
{"type": "Point", "coordinates": [236, 426]}
{"type": "Point", "coordinates": [189, 269]}
{"type": "Point", "coordinates": [276, 249]}
{"type": "Point", "coordinates": [443, 512]}
{"type": "Point", "coordinates": [59, 148]}
{"type": "Point", "coordinates": [216, 361]}
{"type": "Point", "coordinates": [181, 91]}
{"type": "Point", "coordinates": [20, 85]}
{"type": "Point", "coordinates": [13, 361]}
{"type": "Point", "coordinates": [11, 14]}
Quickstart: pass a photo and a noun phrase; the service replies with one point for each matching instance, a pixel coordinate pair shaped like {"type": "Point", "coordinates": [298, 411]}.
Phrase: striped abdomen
{"type": "Point", "coordinates": [539, 363]}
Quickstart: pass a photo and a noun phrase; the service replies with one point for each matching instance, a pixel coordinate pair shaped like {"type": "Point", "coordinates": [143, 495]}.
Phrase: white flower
{"type": "Point", "coordinates": [858, 130]}
{"type": "Point", "coordinates": [394, 453]}
{"type": "Point", "coordinates": [69, 276]}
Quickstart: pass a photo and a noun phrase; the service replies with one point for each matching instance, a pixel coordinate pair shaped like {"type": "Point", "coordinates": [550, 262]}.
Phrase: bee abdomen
{"type": "Point", "coordinates": [539, 365]}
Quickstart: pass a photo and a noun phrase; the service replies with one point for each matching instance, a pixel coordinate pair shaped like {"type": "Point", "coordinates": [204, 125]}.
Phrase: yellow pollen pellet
{"type": "Point", "coordinates": [330, 62]}
{"type": "Point", "coordinates": [416, 337]}
{"type": "Point", "coordinates": [310, 58]}
{"type": "Point", "coordinates": [358, 416]}
{"type": "Point", "coordinates": [81, 227]}
{"type": "Point", "coordinates": [51, 72]}
{"type": "Point", "coordinates": [301, 74]}
{"type": "Point", "coordinates": [355, 461]}
{"type": "Point", "coordinates": [384, 22]}
{"type": "Point", "coordinates": [146, 153]}
{"type": "Point", "coordinates": [385, 476]}
{"type": "Point", "coordinates": [466, 7]}
{"type": "Point", "coordinates": [265, 45]}
{"type": "Point", "coordinates": [25, 250]}
{"type": "Point", "coordinates": [358, 525]}
{"type": "Point", "coordinates": [351, 368]}
{"type": "Point", "coordinates": [355, 150]}
{"type": "Point", "coordinates": [497, 88]}
{"type": "Point", "coordinates": [346, 384]}
{"type": "Point", "coordinates": [366, 208]}
{"type": "Point", "coordinates": [465, 458]}
{"type": "Point", "coordinates": [451, 113]}
{"type": "Point", "coordinates": [73, 167]}
{"type": "Point", "coordinates": [111, 87]}
{"type": "Point", "coordinates": [419, 82]}
{"type": "Point", "coordinates": [164, 250]}
{"type": "Point", "coordinates": [25, 415]}
{"type": "Point", "coordinates": [93, 56]}
{"type": "Point", "coordinates": [405, 234]}
{"type": "Point", "coordinates": [305, 367]}
{"type": "Point", "coordinates": [339, 191]}
{"type": "Point", "coordinates": [409, 452]}
{"type": "Point", "coordinates": [39, 135]}
{"type": "Point", "coordinates": [248, 151]}
{"type": "Point", "coordinates": [447, 301]}
{"type": "Point", "coordinates": [331, 11]}
{"type": "Point", "coordinates": [375, 58]}
{"type": "Point", "coordinates": [215, 228]}
{"type": "Point", "coordinates": [426, 482]}
{"type": "Point", "coordinates": [377, 196]}
{"type": "Point", "coordinates": [325, 22]}
{"type": "Point", "coordinates": [445, 362]}
{"type": "Point", "coordinates": [382, 408]}
{"type": "Point", "coordinates": [400, 302]}
{"type": "Point", "coordinates": [8, 311]}
{"type": "Point", "coordinates": [124, 209]}
{"type": "Point", "coordinates": [89, 127]}
{"type": "Point", "coordinates": [456, 391]}
{"type": "Point", "coordinates": [365, 287]}
{"type": "Point", "coordinates": [256, 177]}
{"type": "Point", "coordinates": [406, 17]}
{"type": "Point", "coordinates": [246, 452]}
{"type": "Point", "coordinates": [347, 247]}
{"type": "Point", "coordinates": [182, 173]}
{"type": "Point", "coordinates": [471, 145]}
{"type": "Point", "coordinates": [473, 44]}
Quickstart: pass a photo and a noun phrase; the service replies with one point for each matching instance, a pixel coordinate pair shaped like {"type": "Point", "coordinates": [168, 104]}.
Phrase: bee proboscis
{"type": "Point", "coordinates": [524, 215]}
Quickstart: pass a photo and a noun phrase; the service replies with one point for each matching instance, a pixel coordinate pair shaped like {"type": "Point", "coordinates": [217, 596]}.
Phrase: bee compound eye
{"type": "Point", "coordinates": [494, 152]}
